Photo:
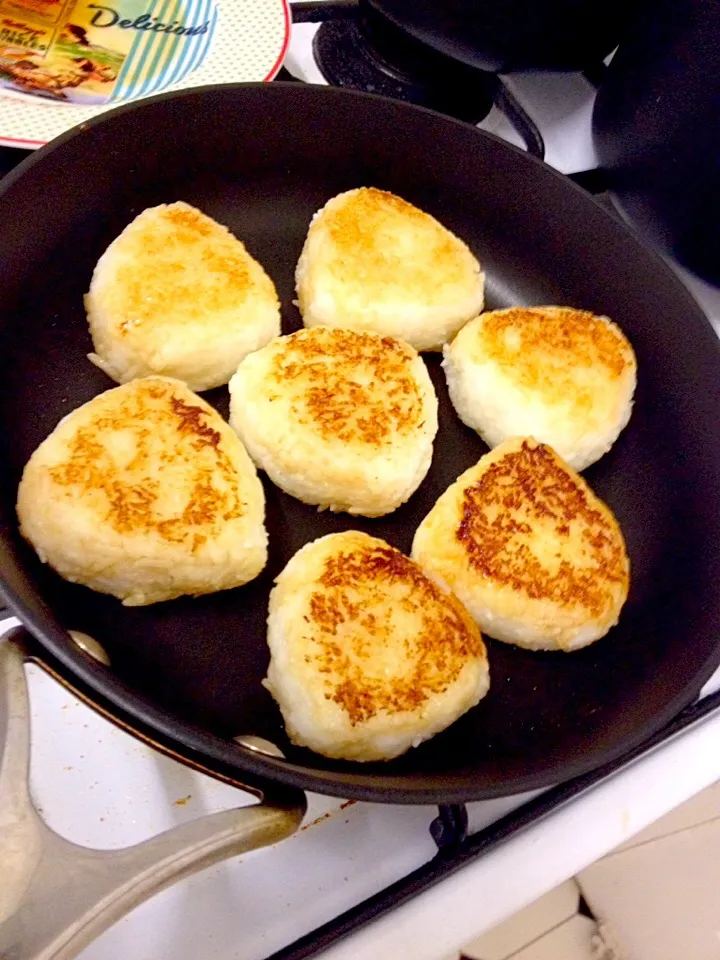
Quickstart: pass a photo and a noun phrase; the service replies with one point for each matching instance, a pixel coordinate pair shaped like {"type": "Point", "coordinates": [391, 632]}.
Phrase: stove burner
{"type": "Point", "coordinates": [370, 53]}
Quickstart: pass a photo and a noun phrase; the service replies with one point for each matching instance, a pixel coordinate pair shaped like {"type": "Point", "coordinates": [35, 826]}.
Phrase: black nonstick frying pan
{"type": "Point", "coordinates": [262, 159]}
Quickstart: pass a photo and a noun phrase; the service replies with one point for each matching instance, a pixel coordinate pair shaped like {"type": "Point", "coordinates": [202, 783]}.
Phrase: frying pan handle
{"type": "Point", "coordinates": [55, 896]}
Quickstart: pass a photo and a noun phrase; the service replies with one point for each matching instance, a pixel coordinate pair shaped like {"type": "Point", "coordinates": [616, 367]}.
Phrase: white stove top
{"type": "Point", "coordinates": [99, 787]}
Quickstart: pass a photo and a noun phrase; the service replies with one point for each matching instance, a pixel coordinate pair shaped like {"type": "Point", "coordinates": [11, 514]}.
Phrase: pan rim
{"type": "Point", "coordinates": [189, 739]}
{"type": "Point", "coordinates": [263, 773]}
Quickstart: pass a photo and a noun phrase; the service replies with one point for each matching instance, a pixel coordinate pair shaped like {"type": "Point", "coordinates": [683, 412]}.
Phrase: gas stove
{"type": "Point", "coordinates": [429, 879]}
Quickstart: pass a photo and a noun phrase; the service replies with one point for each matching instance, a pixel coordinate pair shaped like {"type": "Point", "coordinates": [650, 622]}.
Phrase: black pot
{"type": "Point", "coordinates": [514, 35]}
{"type": "Point", "coordinates": [656, 126]}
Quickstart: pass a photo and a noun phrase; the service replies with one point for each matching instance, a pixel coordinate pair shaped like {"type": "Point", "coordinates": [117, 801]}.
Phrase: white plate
{"type": "Point", "coordinates": [249, 45]}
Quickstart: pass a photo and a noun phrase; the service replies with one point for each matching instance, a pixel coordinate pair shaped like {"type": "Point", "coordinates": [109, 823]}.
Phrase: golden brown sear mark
{"type": "Point", "coordinates": [521, 494]}
{"type": "Point", "coordinates": [361, 228]}
{"type": "Point", "coordinates": [350, 386]}
{"type": "Point", "coordinates": [349, 628]}
{"type": "Point", "coordinates": [185, 217]}
{"type": "Point", "coordinates": [513, 337]}
{"type": "Point", "coordinates": [190, 421]}
{"type": "Point", "coordinates": [182, 262]}
{"type": "Point", "coordinates": [133, 490]}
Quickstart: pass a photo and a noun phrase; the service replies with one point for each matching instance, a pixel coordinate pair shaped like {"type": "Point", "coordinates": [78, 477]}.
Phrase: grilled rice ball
{"type": "Point", "coordinates": [147, 494]}
{"type": "Point", "coordinates": [535, 556]}
{"type": "Point", "coordinates": [368, 657]}
{"type": "Point", "coordinates": [373, 262]}
{"type": "Point", "coordinates": [338, 419]}
{"type": "Point", "coordinates": [177, 294]}
{"type": "Point", "coordinates": [565, 377]}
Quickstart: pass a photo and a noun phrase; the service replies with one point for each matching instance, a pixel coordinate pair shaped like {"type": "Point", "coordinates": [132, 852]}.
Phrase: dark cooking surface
{"type": "Point", "coordinates": [262, 160]}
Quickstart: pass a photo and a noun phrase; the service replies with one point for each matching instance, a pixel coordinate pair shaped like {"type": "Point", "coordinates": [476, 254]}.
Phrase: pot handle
{"type": "Point", "coordinates": [523, 124]}
{"type": "Point", "coordinates": [55, 896]}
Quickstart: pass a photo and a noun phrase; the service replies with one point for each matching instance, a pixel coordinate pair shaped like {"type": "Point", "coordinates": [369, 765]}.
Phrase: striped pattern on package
{"type": "Point", "coordinates": [159, 58]}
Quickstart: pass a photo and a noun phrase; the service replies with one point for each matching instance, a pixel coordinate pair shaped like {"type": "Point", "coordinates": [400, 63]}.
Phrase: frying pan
{"type": "Point", "coordinates": [261, 159]}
